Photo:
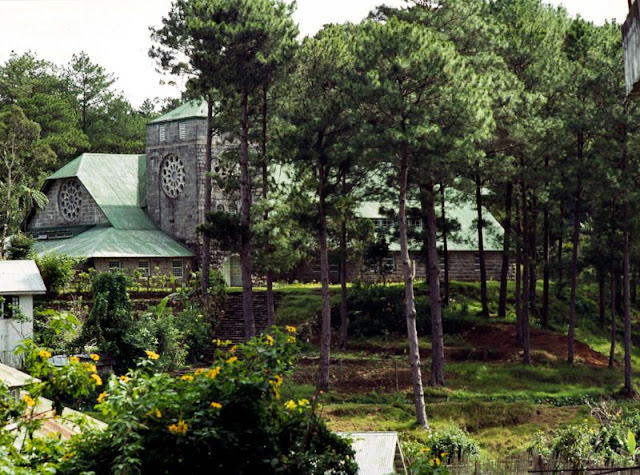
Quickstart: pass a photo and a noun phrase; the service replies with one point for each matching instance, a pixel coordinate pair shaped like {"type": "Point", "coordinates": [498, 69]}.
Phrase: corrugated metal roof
{"type": "Point", "coordinates": [111, 242]}
{"type": "Point", "coordinates": [14, 378]}
{"type": "Point", "coordinates": [116, 183]}
{"type": "Point", "coordinates": [462, 211]}
{"type": "Point", "coordinates": [196, 108]}
{"type": "Point", "coordinates": [377, 453]}
{"type": "Point", "coordinates": [20, 277]}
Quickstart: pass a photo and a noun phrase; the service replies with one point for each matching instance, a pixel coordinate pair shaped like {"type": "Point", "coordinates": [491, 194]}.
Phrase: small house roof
{"type": "Point", "coordinates": [20, 278]}
{"type": "Point", "coordinates": [377, 453]}
{"type": "Point", "coordinates": [116, 183]}
{"type": "Point", "coordinates": [111, 242]}
{"type": "Point", "coordinates": [193, 109]}
{"type": "Point", "coordinates": [15, 378]}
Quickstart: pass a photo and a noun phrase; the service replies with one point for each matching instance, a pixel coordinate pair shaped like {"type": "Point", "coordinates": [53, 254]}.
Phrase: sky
{"type": "Point", "coordinates": [115, 33]}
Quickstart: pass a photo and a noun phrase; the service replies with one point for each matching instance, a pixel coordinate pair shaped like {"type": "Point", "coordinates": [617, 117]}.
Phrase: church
{"type": "Point", "coordinates": [136, 212]}
{"type": "Point", "coordinates": [141, 212]}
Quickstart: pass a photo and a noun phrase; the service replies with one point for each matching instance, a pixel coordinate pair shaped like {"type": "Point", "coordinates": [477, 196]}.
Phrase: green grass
{"type": "Point", "coordinates": [502, 405]}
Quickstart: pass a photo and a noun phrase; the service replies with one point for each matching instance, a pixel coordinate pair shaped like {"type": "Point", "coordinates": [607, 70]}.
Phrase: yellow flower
{"type": "Point", "coordinates": [124, 379]}
{"type": "Point", "coordinates": [303, 402]}
{"type": "Point", "coordinates": [67, 456]}
{"type": "Point", "coordinates": [291, 405]}
{"type": "Point", "coordinates": [74, 359]}
{"type": "Point", "coordinates": [44, 354]}
{"type": "Point", "coordinates": [154, 412]}
{"type": "Point", "coordinates": [94, 357]}
{"type": "Point", "coordinates": [290, 329]}
{"type": "Point", "coordinates": [152, 355]}
{"type": "Point", "coordinates": [213, 372]}
{"type": "Point", "coordinates": [180, 428]}
{"type": "Point", "coordinates": [425, 449]}
{"type": "Point", "coordinates": [436, 461]}
{"type": "Point", "coordinates": [199, 371]}
{"type": "Point", "coordinates": [215, 405]}
{"type": "Point", "coordinates": [102, 397]}
{"type": "Point", "coordinates": [269, 340]}
{"type": "Point", "coordinates": [233, 349]}
{"type": "Point", "coordinates": [28, 400]}
{"type": "Point", "coordinates": [232, 360]}
{"type": "Point", "coordinates": [275, 384]}
{"type": "Point", "coordinates": [90, 367]}
{"type": "Point", "coordinates": [187, 377]}
{"type": "Point", "coordinates": [97, 379]}
{"type": "Point", "coordinates": [291, 339]}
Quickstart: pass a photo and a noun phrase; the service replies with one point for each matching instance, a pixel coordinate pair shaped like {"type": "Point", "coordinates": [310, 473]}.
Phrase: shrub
{"type": "Point", "coordinates": [228, 418]}
{"type": "Point", "coordinates": [110, 324]}
{"type": "Point", "coordinates": [56, 271]}
{"type": "Point", "coordinates": [20, 246]}
{"type": "Point", "coordinates": [53, 329]}
{"type": "Point", "coordinates": [448, 445]}
{"type": "Point", "coordinates": [611, 442]}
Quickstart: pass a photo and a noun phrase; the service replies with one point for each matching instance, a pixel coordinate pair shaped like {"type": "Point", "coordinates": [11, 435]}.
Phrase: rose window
{"type": "Point", "coordinates": [70, 200]}
{"type": "Point", "coordinates": [172, 176]}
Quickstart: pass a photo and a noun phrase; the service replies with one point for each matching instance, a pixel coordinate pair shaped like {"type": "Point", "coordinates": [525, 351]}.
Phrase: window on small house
{"type": "Point", "coordinates": [163, 133]}
{"type": "Point", "coordinates": [177, 269]}
{"type": "Point", "coordinates": [182, 130]}
{"type": "Point", "coordinates": [143, 268]}
{"type": "Point", "coordinates": [477, 262]}
{"type": "Point", "coordinates": [220, 209]}
{"type": "Point", "coordinates": [233, 209]}
{"type": "Point", "coordinates": [114, 266]}
{"type": "Point", "coordinates": [9, 306]}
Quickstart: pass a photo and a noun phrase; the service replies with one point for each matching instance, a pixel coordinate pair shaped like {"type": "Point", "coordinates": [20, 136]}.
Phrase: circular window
{"type": "Point", "coordinates": [172, 176]}
{"type": "Point", "coordinates": [70, 200]}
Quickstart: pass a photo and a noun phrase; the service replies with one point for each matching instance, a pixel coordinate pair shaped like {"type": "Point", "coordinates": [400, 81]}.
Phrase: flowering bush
{"type": "Point", "coordinates": [227, 418]}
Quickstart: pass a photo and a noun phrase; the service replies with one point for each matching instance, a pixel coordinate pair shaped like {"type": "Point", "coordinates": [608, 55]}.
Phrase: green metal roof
{"type": "Point", "coordinates": [464, 212]}
{"type": "Point", "coordinates": [188, 110]}
{"type": "Point", "coordinates": [116, 183]}
{"type": "Point", "coordinates": [103, 241]}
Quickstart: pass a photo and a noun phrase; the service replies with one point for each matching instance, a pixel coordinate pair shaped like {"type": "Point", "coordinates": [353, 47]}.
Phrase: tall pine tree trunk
{"type": "Point", "coordinates": [410, 308]}
{"type": "Point", "coordinates": [614, 306]}
{"type": "Point", "coordinates": [483, 270]}
{"type": "Point", "coordinates": [545, 272]}
{"type": "Point", "coordinates": [533, 256]}
{"type": "Point", "coordinates": [506, 251]}
{"type": "Point", "coordinates": [575, 240]}
{"type": "Point", "coordinates": [245, 223]}
{"type": "Point", "coordinates": [206, 240]}
{"type": "Point", "coordinates": [344, 323]}
{"type": "Point", "coordinates": [265, 194]}
{"type": "Point", "coordinates": [626, 295]}
{"type": "Point", "coordinates": [601, 297]}
{"type": "Point", "coordinates": [325, 336]}
{"type": "Point", "coordinates": [445, 245]}
{"type": "Point", "coordinates": [427, 199]}
{"type": "Point", "coordinates": [524, 306]}
{"type": "Point", "coordinates": [518, 287]}
{"type": "Point", "coordinates": [626, 277]}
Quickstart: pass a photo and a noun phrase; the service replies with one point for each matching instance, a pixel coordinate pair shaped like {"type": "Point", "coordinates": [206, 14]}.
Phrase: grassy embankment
{"type": "Point", "coordinates": [489, 392]}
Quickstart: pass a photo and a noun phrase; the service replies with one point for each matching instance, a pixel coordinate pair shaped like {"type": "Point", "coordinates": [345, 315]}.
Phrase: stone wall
{"type": "Point", "coordinates": [463, 266]}
{"type": "Point", "coordinates": [51, 216]}
{"type": "Point", "coordinates": [157, 266]}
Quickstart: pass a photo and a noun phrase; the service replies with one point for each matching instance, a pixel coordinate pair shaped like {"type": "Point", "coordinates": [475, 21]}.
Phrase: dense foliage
{"type": "Point", "coordinates": [227, 418]}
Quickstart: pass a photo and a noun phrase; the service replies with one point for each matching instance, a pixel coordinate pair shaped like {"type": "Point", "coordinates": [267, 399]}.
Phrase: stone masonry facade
{"type": "Point", "coordinates": [90, 213]}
